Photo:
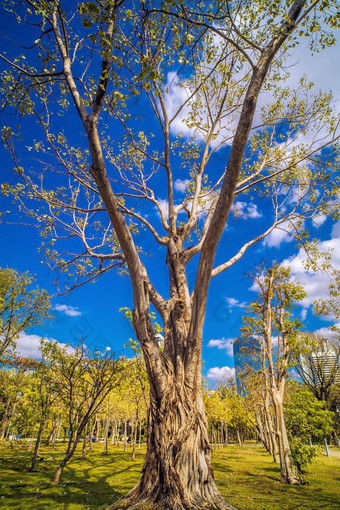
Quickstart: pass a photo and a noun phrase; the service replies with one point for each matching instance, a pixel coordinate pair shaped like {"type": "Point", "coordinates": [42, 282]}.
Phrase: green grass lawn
{"type": "Point", "coordinates": [245, 476]}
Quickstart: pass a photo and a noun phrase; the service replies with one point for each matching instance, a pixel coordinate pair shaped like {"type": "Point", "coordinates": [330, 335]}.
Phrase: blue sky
{"type": "Point", "coordinates": [92, 311]}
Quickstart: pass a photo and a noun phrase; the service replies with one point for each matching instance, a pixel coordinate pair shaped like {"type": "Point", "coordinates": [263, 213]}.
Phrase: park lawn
{"type": "Point", "coordinates": [245, 476]}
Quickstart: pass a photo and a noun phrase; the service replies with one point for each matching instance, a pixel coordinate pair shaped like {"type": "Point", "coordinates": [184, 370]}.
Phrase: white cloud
{"type": "Point", "coordinates": [71, 311]}
{"type": "Point", "coordinates": [217, 374]}
{"type": "Point", "coordinates": [180, 101]}
{"type": "Point", "coordinates": [174, 98]}
{"type": "Point", "coordinates": [319, 220]}
{"type": "Point", "coordinates": [181, 185]}
{"type": "Point", "coordinates": [316, 284]}
{"type": "Point", "coordinates": [235, 302]}
{"type": "Point", "coordinates": [246, 210]}
{"type": "Point", "coordinates": [164, 205]}
{"type": "Point", "coordinates": [304, 312]}
{"type": "Point", "coordinates": [336, 229]}
{"type": "Point", "coordinates": [28, 345]}
{"type": "Point", "coordinates": [223, 343]}
{"type": "Point", "coordinates": [326, 331]}
{"type": "Point", "coordinates": [279, 235]}
{"type": "Point", "coordinates": [319, 68]}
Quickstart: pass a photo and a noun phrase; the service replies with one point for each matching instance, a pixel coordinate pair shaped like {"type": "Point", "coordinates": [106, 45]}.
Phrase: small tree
{"type": "Point", "coordinates": [14, 395]}
{"type": "Point", "coordinates": [44, 394]}
{"type": "Point", "coordinates": [21, 307]}
{"type": "Point", "coordinates": [83, 381]}
{"type": "Point", "coordinates": [306, 419]}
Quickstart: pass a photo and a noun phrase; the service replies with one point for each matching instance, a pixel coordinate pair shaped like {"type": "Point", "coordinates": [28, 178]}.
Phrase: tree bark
{"type": "Point", "coordinates": [178, 457]}
{"type": "Point", "coordinates": [71, 447]}
{"type": "Point", "coordinates": [140, 434]}
{"type": "Point", "coordinates": [134, 435]}
{"type": "Point", "coordinates": [289, 472]}
{"type": "Point", "coordinates": [239, 436]}
{"type": "Point", "coordinates": [83, 451]}
{"type": "Point", "coordinates": [125, 435]}
{"type": "Point", "coordinates": [272, 442]}
{"type": "Point", "coordinates": [37, 445]}
{"type": "Point", "coordinates": [51, 434]}
{"type": "Point", "coordinates": [106, 433]}
{"type": "Point", "coordinates": [5, 419]}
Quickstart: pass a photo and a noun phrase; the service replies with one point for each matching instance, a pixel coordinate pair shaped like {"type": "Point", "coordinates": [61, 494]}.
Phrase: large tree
{"type": "Point", "coordinates": [195, 72]}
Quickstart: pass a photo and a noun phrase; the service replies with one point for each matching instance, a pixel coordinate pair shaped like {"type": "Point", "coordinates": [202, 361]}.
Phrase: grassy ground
{"type": "Point", "coordinates": [245, 476]}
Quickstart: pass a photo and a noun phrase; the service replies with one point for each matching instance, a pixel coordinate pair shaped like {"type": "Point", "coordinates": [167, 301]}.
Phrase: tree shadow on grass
{"type": "Point", "coordinates": [94, 483]}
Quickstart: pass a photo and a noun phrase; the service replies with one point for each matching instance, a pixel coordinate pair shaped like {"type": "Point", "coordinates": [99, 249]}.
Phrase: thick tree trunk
{"type": "Point", "coordinates": [289, 472]}
{"type": "Point", "coordinates": [176, 473]}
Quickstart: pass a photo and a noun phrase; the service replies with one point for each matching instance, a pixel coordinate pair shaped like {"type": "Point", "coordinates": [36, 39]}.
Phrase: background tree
{"type": "Point", "coordinates": [331, 305]}
{"type": "Point", "coordinates": [217, 414]}
{"type": "Point", "coordinates": [109, 191]}
{"type": "Point", "coordinates": [21, 307]}
{"type": "Point", "coordinates": [269, 320]}
{"type": "Point", "coordinates": [45, 393]}
{"type": "Point", "coordinates": [83, 380]}
{"type": "Point", "coordinates": [306, 420]}
{"type": "Point", "coordinates": [318, 363]}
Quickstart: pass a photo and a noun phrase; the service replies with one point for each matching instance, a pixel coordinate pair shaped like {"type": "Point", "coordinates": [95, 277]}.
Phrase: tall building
{"type": "Point", "coordinates": [321, 367]}
{"type": "Point", "coordinates": [247, 359]}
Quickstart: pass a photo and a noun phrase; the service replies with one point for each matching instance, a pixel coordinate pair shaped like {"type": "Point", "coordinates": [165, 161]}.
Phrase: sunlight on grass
{"type": "Point", "coordinates": [246, 477]}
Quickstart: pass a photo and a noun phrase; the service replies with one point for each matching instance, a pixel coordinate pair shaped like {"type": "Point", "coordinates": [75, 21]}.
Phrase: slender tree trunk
{"type": "Point", "coordinates": [335, 439]}
{"type": "Point", "coordinates": [289, 472]}
{"type": "Point", "coordinates": [125, 435]}
{"type": "Point", "coordinates": [83, 451]}
{"type": "Point", "coordinates": [71, 447]}
{"type": "Point", "coordinates": [114, 432]}
{"type": "Point", "coordinates": [60, 423]}
{"type": "Point", "coordinates": [97, 426]}
{"type": "Point", "coordinates": [106, 433]}
{"type": "Point", "coordinates": [91, 435]}
{"type": "Point", "coordinates": [5, 419]}
{"type": "Point", "coordinates": [272, 436]}
{"type": "Point", "coordinates": [51, 434]}
{"type": "Point", "coordinates": [239, 436]}
{"type": "Point", "coordinates": [54, 436]}
{"type": "Point", "coordinates": [135, 437]}
{"type": "Point", "coordinates": [213, 435]}
{"type": "Point", "coordinates": [119, 432]}
{"type": "Point", "coordinates": [178, 455]}
{"type": "Point", "coordinates": [260, 431]}
{"type": "Point", "coordinates": [140, 434]}
{"type": "Point", "coordinates": [37, 445]}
